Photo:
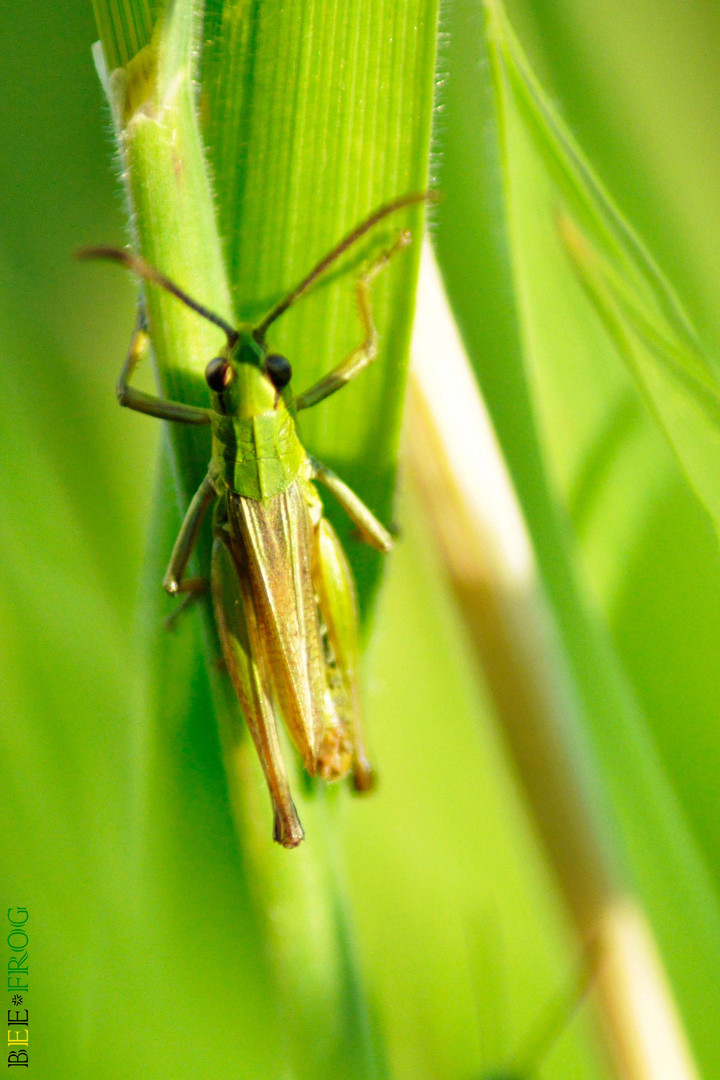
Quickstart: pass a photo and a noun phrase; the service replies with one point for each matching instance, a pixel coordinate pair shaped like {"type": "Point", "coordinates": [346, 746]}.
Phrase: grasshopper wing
{"type": "Point", "coordinates": [275, 537]}
{"type": "Point", "coordinates": [239, 626]}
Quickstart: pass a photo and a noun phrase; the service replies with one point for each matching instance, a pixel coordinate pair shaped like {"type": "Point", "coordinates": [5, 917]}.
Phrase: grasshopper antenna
{"type": "Point", "coordinates": [148, 273]}
{"type": "Point", "coordinates": [347, 242]}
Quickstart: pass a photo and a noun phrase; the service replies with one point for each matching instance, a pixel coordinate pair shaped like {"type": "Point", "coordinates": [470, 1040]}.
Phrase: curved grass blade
{"type": "Point", "coordinates": [637, 305]}
{"type": "Point", "coordinates": [154, 101]}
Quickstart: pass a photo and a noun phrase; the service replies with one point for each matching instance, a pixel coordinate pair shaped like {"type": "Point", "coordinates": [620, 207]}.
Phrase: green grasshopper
{"type": "Point", "coordinates": [283, 592]}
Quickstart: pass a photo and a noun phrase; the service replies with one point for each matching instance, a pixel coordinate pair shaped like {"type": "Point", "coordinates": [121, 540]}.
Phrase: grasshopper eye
{"type": "Point", "coordinates": [278, 370]}
{"type": "Point", "coordinates": [218, 374]}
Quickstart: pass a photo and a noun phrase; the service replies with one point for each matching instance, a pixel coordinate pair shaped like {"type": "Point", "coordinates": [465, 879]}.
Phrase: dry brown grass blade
{"type": "Point", "coordinates": [456, 463]}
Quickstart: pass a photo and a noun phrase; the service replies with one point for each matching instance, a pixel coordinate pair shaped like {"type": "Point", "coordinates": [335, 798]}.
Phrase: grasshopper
{"type": "Point", "coordinates": [283, 593]}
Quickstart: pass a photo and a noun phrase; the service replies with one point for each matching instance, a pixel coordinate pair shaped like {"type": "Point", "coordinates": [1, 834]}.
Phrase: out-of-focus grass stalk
{"type": "Point", "coordinates": [478, 526]}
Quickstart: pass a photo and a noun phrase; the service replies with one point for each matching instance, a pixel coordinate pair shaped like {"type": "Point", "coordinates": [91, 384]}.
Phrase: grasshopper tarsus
{"type": "Point", "coordinates": [364, 778]}
{"type": "Point", "coordinates": [287, 830]}
{"type": "Point", "coordinates": [192, 587]}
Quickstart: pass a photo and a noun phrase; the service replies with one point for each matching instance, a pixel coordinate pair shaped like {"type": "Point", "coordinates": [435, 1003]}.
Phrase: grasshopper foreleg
{"type": "Point", "coordinates": [364, 353]}
{"type": "Point", "coordinates": [183, 549]}
{"type": "Point", "coordinates": [148, 403]}
{"type": "Point", "coordinates": [371, 530]}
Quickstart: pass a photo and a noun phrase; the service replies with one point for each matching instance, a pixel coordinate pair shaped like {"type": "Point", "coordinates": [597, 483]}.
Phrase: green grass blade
{"type": "Point", "coordinates": [578, 414]}
{"type": "Point", "coordinates": [679, 387]}
{"type": "Point", "coordinates": [317, 982]}
{"type": "Point", "coordinates": [291, 180]}
{"type": "Point", "coordinates": [125, 27]}
{"type": "Point", "coordinates": [293, 174]}
{"type": "Point", "coordinates": [637, 304]}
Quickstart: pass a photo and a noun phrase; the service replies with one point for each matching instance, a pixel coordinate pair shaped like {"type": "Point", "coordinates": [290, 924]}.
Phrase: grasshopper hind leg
{"type": "Point", "coordinates": [237, 624]}
{"type": "Point", "coordinates": [338, 607]}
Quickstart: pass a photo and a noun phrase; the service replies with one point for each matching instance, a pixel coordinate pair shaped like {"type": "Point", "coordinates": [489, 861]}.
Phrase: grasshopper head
{"type": "Point", "coordinates": [246, 377]}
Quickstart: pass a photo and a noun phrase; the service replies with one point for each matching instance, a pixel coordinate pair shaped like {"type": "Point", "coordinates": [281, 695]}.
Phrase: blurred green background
{"type": "Point", "coordinates": [148, 957]}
